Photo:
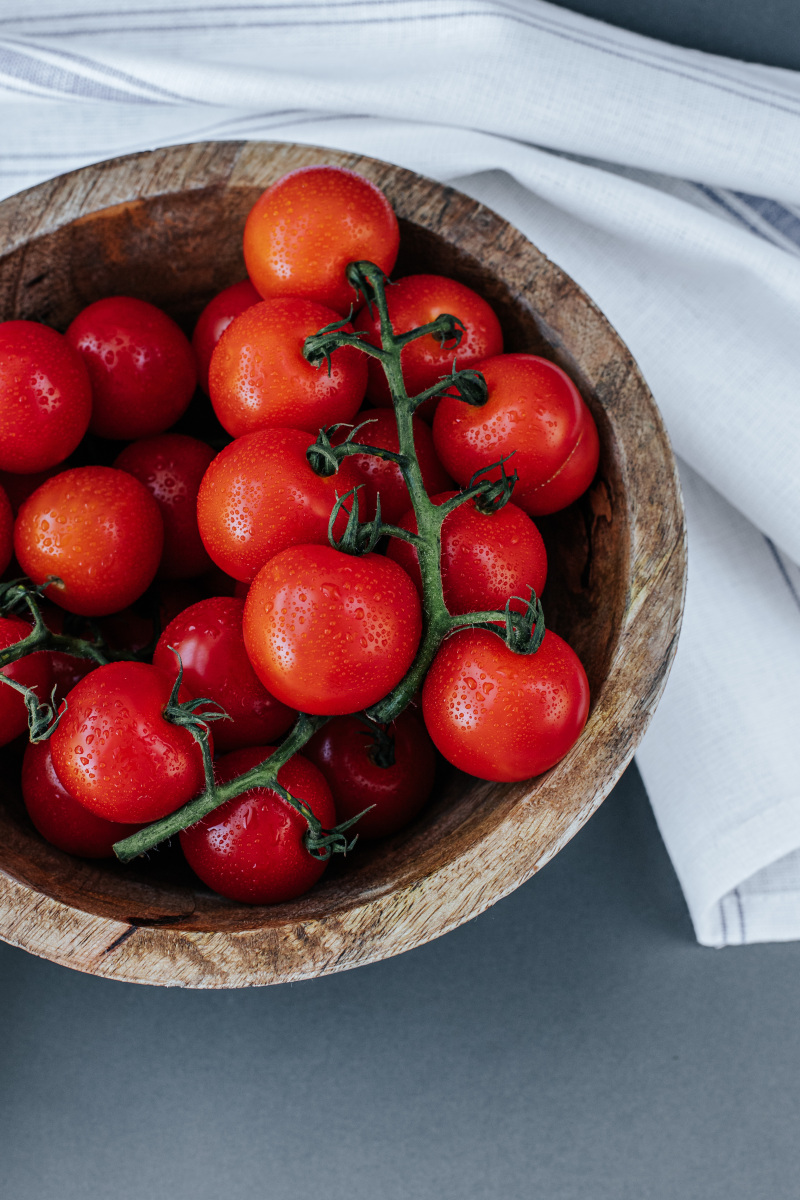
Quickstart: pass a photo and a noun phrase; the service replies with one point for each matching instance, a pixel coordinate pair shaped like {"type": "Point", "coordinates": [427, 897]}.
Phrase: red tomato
{"type": "Point", "coordinates": [330, 633]}
{"type": "Point", "coordinates": [486, 557]}
{"type": "Point", "coordinates": [208, 637]}
{"type": "Point", "coordinates": [96, 529]}
{"type": "Point", "coordinates": [258, 378]}
{"type": "Point", "coordinates": [251, 848]}
{"type": "Point", "coordinates": [45, 397]}
{"type": "Point", "coordinates": [260, 495]}
{"type": "Point", "coordinates": [417, 300]}
{"type": "Point", "coordinates": [304, 230]}
{"type": "Point", "coordinates": [377, 475]}
{"type": "Point", "coordinates": [171, 467]}
{"type": "Point", "coordinates": [345, 752]}
{"type": "Point", "coordinates": [215, 319]}
{"type": "Point", "coordinates": [34, 671]}
{"type": "Point", "coordinates": [535, 412]}
{"type": "Point", "coordinates": [116, 754]}
{"type": "Point", "coordinates": [58, 816]}
{"type": "Point", "coordinates": [140, 363]}
{"type": "Point", "coordinates": [501, 715]}
{"type": "Point", "coordinates": [68, 671]}
{"type": "Point", "coordinates": [6, 531]}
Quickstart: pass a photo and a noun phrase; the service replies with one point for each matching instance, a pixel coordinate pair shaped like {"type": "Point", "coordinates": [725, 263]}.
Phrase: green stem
{"type": "Point", "coordinates": [42, 638]}
{"type": "Point", "coordinates": [265, 775]}
{"type": "Point", "coordinates": [437, 621]}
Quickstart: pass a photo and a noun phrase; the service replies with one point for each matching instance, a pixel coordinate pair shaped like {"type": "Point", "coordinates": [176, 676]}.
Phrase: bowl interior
{"type": "Point", "coordinates": [177, 250]}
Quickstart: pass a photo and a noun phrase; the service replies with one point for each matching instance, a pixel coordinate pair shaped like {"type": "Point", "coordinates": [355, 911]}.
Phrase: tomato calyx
{"type": "Point", "coordinates": [318, 347]}
{"type": "Point", "coordinates": [365, 278]}
{"type": "Point", "coordinates": [382, 750]}
{"type": "Point", "coordinates": [359, 537]}
{"type": "Point", "coordinates": [522, 632]}
{"type": "Point", "coordinates": [324, 458]}
{"type": "Point", "coordinates": [194, 715]}
{"type": "Point", "coordinates": [467, 385]}
{"type": "Point", "coordinates": [43, 715]}
{"type": "Point", "coordinates": [492, 494]}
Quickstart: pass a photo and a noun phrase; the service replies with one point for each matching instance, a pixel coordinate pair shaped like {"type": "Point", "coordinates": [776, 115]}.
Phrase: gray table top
{"type": "Point", "coordinates": [573, 1042]}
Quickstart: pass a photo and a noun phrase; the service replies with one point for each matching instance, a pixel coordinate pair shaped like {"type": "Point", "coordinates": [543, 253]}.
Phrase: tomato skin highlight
{"type": "Point", "coordinates": [486, 558]}
{"type": "Point", "coordinates": [377, 475]}
{"type": "Point", "coordinates": [416, 300]}
{"type": "Point", "coordinates": [45, 397]}
{"type": "Point", "coordinates": [258, 377]}
{"type": "Point", "coordinates": [303, 231]}
{"type": "Point", "coordinates": [500, 715]}
{"type": "Point", "coordinates": [328, 633]}
{"type": "Point", "coordinates": [208, 636]}
{"type": "Point", "coordinates": [342, 750]}
{"type": "Point", "coordinates": [58, 816]}
{"type": "Point", "coordinates": [171, 467]}
{"type": "Point", "coordinates": [99, 531]}
{"type": "Point", "coordinates": [534, 412]}
{"type": "Point", "coordinates": [117, 755]}
{"type": "Point", "coordinates": [215, 319]}
{"type": "Point", "coordinates": [251, 848]}
{"type": "Point", "coordinates": [140, 363]}
{"type": "Point", "coordinates": [34, 671]}
{"type": "Point", "coordinates": [259, 496]}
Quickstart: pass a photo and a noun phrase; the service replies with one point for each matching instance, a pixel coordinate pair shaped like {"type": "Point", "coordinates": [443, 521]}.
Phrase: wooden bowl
{"type": "Point", "coordinates": [167, 227]}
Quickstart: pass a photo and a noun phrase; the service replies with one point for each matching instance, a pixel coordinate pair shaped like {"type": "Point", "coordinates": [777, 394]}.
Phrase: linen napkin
{"type": "Point", "coordinates": [664, 180]}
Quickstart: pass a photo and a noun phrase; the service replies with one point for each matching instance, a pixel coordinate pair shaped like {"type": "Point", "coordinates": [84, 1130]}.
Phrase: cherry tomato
{"type": "Point", "coordinates": [259, 379]}
{"type": "Point", "coordinates": [303, 231]}
{"type": "Point", "coordinates": [171, 467]}
{"type": "Point", "coordinates": [486, 557]}
{"type": "Point", "coordinates": [346, 752]}
{"type": "Point", "coordinates": [501, 715]}
{"type": "Point", "coordinates": [96, 529]}
{"type": "Point", "coordinates": [115, 752]}
{"type": "Point", "coordinates": [215, 319]}
{"type": "Point", "coordinates": [328, 632]}
{"type": "Point", "coordinates": [417, 300]}
{"type": "Point", "coordinates": [535, 412]}
{"type": "Point", "coordinates": [251, 848]}
{"type": "Point", "coordinates": [377, 475]}
{"type": "Point", "coordinates": [208, 637]}
{"type": "Point", "coordinates": [140, 363]}
{"type": "Point", "coordinates": [6, 531]}
{"type": "Point", "coordinates": [260, 495]}
{"type": "Point", "coordinates": [34, 671]}
{"type": "Point", "coordinates": [45, 397]}
{"type": "Point", "coordinates": [58, 816]}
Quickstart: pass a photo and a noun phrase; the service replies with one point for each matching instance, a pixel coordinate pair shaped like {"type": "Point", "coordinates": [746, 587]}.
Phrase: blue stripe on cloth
{"type": "Point", "coordinates": [696, 72]}
{"type": "Point", "coordinates": [775, 214]}
{"type": "Point", "coordinates": [22, 65]}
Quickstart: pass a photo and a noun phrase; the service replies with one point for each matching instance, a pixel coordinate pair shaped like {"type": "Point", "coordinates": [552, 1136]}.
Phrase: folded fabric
{"type": "Point", "coordinates": [663, 180]}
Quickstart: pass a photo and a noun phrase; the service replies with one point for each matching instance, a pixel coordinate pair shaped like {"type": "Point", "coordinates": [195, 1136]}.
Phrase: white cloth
{"type": "Point", "coordinates": [585, 137]}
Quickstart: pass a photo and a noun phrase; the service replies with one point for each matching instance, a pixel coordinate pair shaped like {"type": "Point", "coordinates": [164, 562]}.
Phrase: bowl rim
{"type": "Point", "coordinates": [481, 871]}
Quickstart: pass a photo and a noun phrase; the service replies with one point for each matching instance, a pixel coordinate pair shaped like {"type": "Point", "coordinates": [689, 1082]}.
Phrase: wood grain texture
{"type": "Point", "coordinates": [166, 226]}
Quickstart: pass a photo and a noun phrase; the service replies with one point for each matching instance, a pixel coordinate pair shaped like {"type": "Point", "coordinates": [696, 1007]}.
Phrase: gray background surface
{"type": "Point", "coordinates": [572, 1043]}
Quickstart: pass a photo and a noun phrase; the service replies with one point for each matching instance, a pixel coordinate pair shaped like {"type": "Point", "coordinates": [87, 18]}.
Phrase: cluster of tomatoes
{"type": "Point", "coordinates": [264, 614]}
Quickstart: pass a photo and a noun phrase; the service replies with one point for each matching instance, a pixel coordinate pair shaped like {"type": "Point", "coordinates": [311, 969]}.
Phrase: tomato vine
{"type": "Point", "coordinates": [523, 632]}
